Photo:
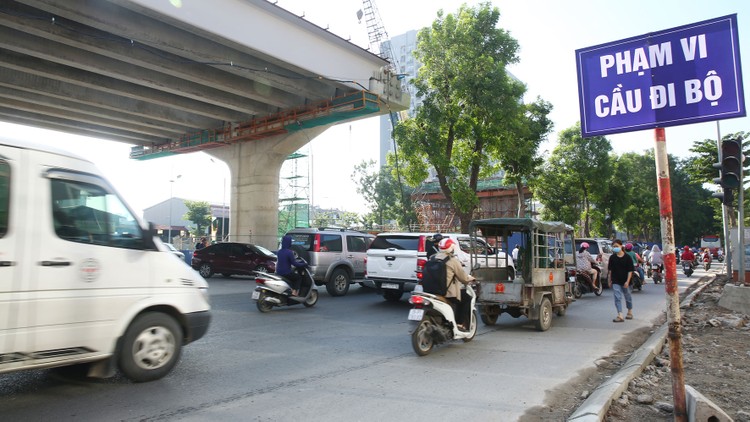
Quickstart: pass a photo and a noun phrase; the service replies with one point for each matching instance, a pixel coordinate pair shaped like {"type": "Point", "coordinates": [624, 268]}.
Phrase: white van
{"type": "Point", "coordinates": [81, 280]}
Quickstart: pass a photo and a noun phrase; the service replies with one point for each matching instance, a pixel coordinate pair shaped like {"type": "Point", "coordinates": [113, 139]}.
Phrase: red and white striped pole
{"type": "Point", "coordinates": [670, 280]}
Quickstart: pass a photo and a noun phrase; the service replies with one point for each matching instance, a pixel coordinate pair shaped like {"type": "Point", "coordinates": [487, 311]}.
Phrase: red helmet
{"type": "Point", "coordinates": [447, 245]}
{"type": "Point", "coordinates": [629, 247]}
{"type": "Point", "coordinates": [687, 248]}
{"type": "Point", "coordinates": [585, 245]}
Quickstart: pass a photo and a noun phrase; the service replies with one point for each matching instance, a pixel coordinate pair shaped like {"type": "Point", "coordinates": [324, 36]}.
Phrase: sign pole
{"type": "Point", "coordinates": [741, 224]}
{"type": "Point", "coordinates": [670, 280]}
{"type": "Point", "coordinates": [725, 211]}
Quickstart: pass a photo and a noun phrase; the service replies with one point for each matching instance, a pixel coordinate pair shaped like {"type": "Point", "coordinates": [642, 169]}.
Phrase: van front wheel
{"type": "Point", "coordinates": [151, 347]}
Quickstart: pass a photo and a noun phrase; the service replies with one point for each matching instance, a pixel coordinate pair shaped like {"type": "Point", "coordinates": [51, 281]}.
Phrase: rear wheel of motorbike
{"type": "Point", "coordinates": [262, 305]}
{"type": "Point", "coordinates": [312, 300]}
{"type": "Point", "coordinates": [577, 292]}
{"type": "Point", "coordinates": [472, 327]}
{"type": "Point", "coordinates": [338, 285]}
{"type": "Point", "coordinates": [545, 315]}
{"type": "Point", "coordinates": [421, 341]}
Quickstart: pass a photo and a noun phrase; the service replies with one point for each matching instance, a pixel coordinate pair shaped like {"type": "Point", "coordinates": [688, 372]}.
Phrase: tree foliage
{"type": "Point", "coordinates": [199, 212]}
{"type": "Point", "coordinates": [381, 190]}
{"type": "Point", "coordinates": [575, 175]}
{"type": "Point", "coordinates": [471, 105]}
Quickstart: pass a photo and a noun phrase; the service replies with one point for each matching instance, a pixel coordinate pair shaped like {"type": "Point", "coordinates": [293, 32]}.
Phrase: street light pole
{"type": "Point", "coordinates": [171, 189]}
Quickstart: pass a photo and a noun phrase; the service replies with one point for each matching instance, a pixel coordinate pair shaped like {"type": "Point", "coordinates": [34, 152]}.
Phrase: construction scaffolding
{"type": "Point", "coordinates": [294, 192]}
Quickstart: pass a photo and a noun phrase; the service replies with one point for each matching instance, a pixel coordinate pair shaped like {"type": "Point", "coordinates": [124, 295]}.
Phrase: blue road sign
{"type": "Point", "coordinates": [673, 77]}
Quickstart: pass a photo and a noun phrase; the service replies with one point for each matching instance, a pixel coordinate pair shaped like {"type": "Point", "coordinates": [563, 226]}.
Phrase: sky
{"type": "Point", "coordinates": [548, 32]}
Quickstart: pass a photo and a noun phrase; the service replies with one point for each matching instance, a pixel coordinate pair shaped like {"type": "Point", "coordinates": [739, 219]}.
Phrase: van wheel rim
{"type": "Point", "coordinates": [153, 348]}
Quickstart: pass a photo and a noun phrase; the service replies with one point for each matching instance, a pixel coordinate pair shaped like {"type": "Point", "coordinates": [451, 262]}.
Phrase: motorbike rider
{"type": "Point", "coordinates": [706, 255]}
{"type": "Point", "coordinates": [636, 260]}
{"type": "Point", "coordinates": [454, 274]}
{"type": "Point", "coordinates": [656, 257]}
{"type": "Point", "coordinates": [435, 241]}
{"type": "Point", "coordinates": [687, 255]}
{"type": "Point", "coordinates": [285, 261]}
{"type": "Point", "coordinates": [585, 263]}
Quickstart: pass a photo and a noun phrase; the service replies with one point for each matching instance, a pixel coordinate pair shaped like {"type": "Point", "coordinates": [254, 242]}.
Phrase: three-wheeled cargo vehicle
{"type": "Point", "coordinates": [539, 287]}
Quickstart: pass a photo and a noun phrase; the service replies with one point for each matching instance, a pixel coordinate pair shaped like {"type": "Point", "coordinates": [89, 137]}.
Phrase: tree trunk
{"type": "Point", "coordinates": [466, 218]}
{"type": "Point", "coordinates": [586, 216]}
{"type": "Point", "coordinates": [521, 202]}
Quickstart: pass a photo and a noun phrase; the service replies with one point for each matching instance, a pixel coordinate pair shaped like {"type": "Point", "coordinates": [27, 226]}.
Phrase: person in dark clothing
{"type": "Point", "coordinates": [621, 270]}
{"type": "Point", "coordinates": [432, 244]}
{"type": "Point", "coordinates": [286, 263]}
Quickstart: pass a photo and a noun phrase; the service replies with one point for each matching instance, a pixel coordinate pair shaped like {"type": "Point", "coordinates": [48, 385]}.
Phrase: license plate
{"type": "Point", "coordinates": [389, 286]}
{"type": "Point", "coordinates": [416, 314]}
{"type": "Point", "coordinates": [572, 279]}
{"type": "Point", "coordinates": [256, 295]}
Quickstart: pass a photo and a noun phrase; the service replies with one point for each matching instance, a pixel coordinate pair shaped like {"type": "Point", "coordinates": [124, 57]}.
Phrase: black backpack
{"type": "Point", "coordinates": [434, 276]}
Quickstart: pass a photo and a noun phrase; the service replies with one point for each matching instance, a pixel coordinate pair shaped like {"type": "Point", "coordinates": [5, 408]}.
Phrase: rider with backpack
{"type": "Point", "coordinates": [454, 273]}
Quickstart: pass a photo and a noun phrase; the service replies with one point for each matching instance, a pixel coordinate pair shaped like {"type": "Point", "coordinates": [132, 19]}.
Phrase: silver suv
{"type": "Point", "coordinates": [336, 256]}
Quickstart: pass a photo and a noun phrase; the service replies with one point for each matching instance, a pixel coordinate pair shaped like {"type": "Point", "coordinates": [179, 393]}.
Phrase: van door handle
{"type": "Point", "coordinates": [55, 263]}
{"type": "Point", "coordinates": [6, 263]}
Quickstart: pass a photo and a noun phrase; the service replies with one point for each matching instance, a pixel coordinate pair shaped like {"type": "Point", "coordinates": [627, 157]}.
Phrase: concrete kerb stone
{"type": "Point", "coordinates": [595, 407]}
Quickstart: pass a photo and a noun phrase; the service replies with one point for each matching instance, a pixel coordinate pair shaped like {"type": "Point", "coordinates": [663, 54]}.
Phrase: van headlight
{"type": "Point", "coordinates": [204, 293]}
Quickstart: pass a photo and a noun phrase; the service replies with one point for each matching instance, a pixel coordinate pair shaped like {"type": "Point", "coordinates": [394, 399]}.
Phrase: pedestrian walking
{"type": "Point", "coordinates": [621, 270]}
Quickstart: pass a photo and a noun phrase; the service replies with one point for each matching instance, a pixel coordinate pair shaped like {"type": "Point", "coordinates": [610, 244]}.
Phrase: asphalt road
{"type": "Point", "coordinates": [347, 358]}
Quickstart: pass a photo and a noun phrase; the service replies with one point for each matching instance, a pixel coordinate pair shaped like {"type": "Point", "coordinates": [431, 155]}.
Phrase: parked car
{"type": "Point", "coordinates": [175, 251]}
{"type": "Point", "coordinates": [336, 255]}
{"type": "Point", "coordinates": [230, 258]}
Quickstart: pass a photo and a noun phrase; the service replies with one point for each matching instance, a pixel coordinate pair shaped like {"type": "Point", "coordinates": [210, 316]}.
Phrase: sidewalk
{"type": "Point", "coordinates": [597, 404]}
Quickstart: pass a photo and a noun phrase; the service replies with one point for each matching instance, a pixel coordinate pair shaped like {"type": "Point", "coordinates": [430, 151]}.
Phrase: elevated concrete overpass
{"type": "Point", "coordinates": [244, 80]}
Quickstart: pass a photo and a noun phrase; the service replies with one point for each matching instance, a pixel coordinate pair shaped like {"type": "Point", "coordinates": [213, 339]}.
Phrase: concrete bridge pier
{"type": "Point", "coordinates": [255, 168]}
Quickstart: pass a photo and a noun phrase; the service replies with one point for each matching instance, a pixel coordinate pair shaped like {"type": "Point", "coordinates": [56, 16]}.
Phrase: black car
{"type": "Point", "coordinates": [231, 258]}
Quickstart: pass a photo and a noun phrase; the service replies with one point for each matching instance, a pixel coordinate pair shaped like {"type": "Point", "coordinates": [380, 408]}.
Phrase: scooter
{"type": "Point", "coordinates": [687, 268]}
{"type": "Point", "coordinates": [274, 290]}
{"type": "Point", "coordinates": [433, 321]}
{"type": "Point", "coordinates": [584, 284]}
{"type": "Point", "coordinates": [656, 273]}
{"type": "Point", "coordinates": [637, 282]}
{"type": "Point", "coordinates": [706, 262]}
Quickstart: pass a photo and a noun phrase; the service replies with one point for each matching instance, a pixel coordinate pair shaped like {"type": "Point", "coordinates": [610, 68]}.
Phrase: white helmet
{"type": "Point", "coordinates": [447, 245]}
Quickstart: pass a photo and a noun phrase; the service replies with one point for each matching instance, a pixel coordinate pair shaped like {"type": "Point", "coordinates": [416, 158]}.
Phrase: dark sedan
{"type": "Point", "coordinates": [233, 258]}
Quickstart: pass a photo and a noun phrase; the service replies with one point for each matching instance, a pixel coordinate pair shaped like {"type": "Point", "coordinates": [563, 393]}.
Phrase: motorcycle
{"type": "Point", "coordinates": [720, 258]}
{"type": "Point", "coordinates": [687, 268]}
{"type": "Point", "coordinates": [434, 322]}
{"type": "Point", "coordinates": [656, 273]}
{"type": "Point", "coordinates": [637, 282]}
{"type": "Point", "coordinates": [584, 284]}
{"type": "Point", "coordinates": [274, 290]}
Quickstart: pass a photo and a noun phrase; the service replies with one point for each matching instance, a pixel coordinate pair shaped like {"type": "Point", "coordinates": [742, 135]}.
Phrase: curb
{"type": "Point", "coordinates": [595, 407]}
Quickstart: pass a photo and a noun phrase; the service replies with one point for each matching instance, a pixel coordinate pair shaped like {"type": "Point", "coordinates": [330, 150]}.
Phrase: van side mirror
{"type": "Point", "coordinates": [148, 237]}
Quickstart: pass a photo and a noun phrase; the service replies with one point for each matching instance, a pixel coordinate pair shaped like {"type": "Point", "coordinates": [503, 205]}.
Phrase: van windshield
{"type": "Point", "coordinates": [87, 213]}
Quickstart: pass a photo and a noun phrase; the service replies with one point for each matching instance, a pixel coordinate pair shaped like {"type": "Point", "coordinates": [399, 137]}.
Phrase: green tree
{"type": "Point", "coordinates": [381, 190]}
{"type": "Point", "coordinates": [639, 216]}
{"type": "Point", "coordinates": [575, 174]}
{"type": "Point", "coordinates": [199, 212]}
{"type": "Point", "coordinates": [519, 152]}
{"type": "Point", "coordinates": [470, 104]}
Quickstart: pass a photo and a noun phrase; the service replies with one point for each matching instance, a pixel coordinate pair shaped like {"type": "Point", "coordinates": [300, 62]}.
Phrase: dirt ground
{"type": "Point", "coordinates": [716, 362]}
